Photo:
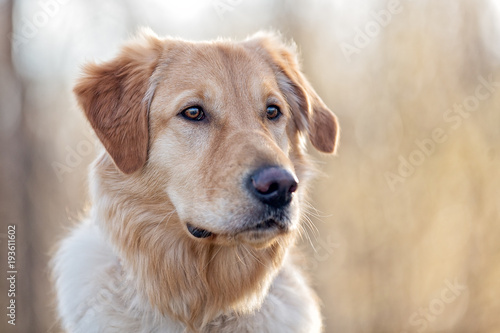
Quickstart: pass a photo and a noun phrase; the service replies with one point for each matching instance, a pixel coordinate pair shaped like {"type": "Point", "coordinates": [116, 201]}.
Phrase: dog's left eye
{"type": "Point", "coordinates": [273, 112]}
{"type": "Point", "coordinates": [194, 113]}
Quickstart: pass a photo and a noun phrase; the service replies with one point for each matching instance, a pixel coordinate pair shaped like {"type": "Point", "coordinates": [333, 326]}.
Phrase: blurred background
{"type": "Point", "coordinates": [407, 213]}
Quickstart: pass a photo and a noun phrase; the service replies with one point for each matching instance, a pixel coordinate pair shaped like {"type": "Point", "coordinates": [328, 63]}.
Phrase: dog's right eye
{"type": "Point", "coordinates": [273, 112]}
{"type": "Point", "coordinates": [193, 113]}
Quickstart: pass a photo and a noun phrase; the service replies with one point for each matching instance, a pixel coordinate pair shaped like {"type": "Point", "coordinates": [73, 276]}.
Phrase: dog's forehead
{"type": "Point", "coordinates": [216, 58]}
{"type": "Point", "coordinates": [217, 66]}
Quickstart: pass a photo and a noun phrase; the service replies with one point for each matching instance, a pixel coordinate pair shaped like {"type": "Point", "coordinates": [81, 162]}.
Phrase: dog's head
{"type": "Point", "coordinates": [204, 167]}
{"type": "Point", "coordinates": [218, 126]}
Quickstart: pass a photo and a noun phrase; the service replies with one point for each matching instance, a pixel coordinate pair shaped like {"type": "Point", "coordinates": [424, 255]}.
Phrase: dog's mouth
{"type": "Point", "coordinates": [198, 232]}
{"type": "Point", "coordinates": [269, 224]}
{"type": "Point", "coordinates": [266, 227]}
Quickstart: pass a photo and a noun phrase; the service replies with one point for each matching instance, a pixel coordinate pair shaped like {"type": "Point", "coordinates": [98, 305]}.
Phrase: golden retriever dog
{"type": "Point", "coordinates": [196, 195]}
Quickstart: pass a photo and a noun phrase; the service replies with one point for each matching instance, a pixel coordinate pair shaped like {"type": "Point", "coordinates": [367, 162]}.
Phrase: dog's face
{"type": "Point", "coordinates": [217, 126]}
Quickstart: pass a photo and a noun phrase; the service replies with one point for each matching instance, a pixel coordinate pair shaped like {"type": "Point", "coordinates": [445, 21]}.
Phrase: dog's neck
{"type": "Point", "coordinates": [190, 280]}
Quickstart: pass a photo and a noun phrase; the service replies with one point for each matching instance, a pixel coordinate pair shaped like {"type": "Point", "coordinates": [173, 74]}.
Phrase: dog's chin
{"type": "Point", "coordinates": [260, 238]}
{"type": "Point", "coordinates": [259, 235]}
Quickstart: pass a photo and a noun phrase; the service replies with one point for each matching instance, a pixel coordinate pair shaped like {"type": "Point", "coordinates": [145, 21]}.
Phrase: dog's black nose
{"type": "Point", "coordinates": [273, 186]}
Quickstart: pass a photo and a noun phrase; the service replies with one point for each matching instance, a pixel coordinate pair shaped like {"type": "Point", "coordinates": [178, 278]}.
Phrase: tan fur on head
{"type": "Point", "coordinates": [312, 113]}
{"type": "Point", "coordinates": [192, 173]}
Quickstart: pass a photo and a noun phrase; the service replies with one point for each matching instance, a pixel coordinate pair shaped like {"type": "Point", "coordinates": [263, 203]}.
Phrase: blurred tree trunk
{"type": "Point", "coordinates": [14, 179]}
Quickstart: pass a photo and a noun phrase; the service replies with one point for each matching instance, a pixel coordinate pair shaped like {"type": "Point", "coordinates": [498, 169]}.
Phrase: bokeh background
{"type": "Point", "coordinates": [407, 214]}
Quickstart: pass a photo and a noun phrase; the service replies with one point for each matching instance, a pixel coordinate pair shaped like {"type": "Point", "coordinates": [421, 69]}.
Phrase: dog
{"type": "Point", "coordinates": [197, 193]}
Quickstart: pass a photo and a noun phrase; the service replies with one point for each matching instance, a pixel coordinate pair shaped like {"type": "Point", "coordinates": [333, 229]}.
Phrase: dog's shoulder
{"type": "Point", "coordinates": [81, 265]}
{"type": "Point", "coordinates": [94, 295]}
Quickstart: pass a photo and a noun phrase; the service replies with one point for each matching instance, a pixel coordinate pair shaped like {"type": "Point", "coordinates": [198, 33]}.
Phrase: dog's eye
{"type": "Point", "coordinates": [194, 113]}
{"type": "Point", "coordinates": [273, 112]}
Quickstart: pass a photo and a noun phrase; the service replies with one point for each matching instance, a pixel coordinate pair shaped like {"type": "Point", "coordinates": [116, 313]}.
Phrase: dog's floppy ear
{"type": "Point", "coordinates": [309, 111]}
{"type": "Point", "coordinates": [115, 98]}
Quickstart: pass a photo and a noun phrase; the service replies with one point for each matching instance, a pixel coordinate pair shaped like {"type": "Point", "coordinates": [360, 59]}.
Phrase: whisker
{"type": "Point", "coordinates": [256, 258]}
{"type": "Point", "coordinates": [169, 214]}
{"type": "Point", "coordinates": [208, 263]}
{"type": "Point", "coordinates": [308, 238]}
{"type": "Point", "coordinates": [239, 258]}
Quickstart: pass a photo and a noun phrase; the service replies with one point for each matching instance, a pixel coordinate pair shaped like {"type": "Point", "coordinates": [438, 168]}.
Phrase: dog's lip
{"type": "Point", "coordinates": [198, 232]}
{"type": "Point", "coordinates": [267, 224]}
{"type": "Point", "coordinates": [263, 233]}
